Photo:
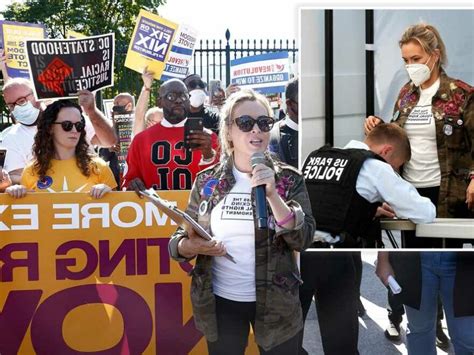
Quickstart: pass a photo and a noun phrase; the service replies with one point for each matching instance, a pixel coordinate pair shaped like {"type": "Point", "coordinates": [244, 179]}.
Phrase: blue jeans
{"type": "Point", "coordinates": [438, 273]}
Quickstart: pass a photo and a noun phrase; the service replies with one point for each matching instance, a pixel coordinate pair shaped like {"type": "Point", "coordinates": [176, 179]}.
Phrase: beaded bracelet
{"type": "Point", "coordinates": [288, 218]}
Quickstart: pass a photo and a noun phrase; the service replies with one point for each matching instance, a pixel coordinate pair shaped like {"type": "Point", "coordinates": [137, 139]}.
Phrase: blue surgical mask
{"type": "Point", "coordinates": [26, 114]}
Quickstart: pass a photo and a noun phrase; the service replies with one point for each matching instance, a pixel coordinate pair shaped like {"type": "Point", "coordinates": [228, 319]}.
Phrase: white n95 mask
{"type": "Point", "coordinates": [418, 73]}
{"type": "Point", "coordinates": [197, 98]}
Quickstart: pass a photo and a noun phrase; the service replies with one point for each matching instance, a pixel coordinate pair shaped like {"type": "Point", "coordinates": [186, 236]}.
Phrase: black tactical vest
{"type": "Point", "coordinates": [331, 177]}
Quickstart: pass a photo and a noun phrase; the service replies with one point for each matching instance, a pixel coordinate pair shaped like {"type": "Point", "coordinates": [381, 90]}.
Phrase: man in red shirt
{"type": "Point", "coordinates": [157, 157]}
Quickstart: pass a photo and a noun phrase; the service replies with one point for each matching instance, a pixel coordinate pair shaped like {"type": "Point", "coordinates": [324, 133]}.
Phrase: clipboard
{"type": "Point", "coordinates": [179, 217]}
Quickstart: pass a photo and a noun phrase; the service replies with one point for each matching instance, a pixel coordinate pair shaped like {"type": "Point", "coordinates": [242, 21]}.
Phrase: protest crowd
{"type": "Point", "coordinates": [240, 164]}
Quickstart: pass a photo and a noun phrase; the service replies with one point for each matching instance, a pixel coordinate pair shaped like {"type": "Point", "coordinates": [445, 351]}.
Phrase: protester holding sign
{"type": "Point", "coordinates": [19, 98]}
{"type": "Point", "coordinates": [159, 158]}
{"type": "Point", "coordinates": [62, 160]}
{"type": "Point", "coordinates": [261, 287]}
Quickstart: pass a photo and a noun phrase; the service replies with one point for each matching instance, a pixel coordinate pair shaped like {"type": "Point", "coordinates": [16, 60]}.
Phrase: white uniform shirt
{"type": "Point", "coordinates": [378, 182]}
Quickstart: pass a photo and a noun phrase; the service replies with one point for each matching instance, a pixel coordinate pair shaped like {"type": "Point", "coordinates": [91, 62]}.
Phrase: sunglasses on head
{"type": "Point", "coordinates": [193, 84]}
{"type": "Point", "coordinates": [67, 125]}
{"type": "Point", "coordinates": [246, 123]}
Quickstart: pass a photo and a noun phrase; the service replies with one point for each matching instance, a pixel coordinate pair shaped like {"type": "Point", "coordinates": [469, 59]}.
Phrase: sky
{"type": "Point", "coordinates": [260, 19]}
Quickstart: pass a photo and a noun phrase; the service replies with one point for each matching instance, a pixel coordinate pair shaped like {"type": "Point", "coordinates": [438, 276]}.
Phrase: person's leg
{"type": "Point", "coordinates": [290, 346]}
{"type": "Point", "coordinates": [233, 325]}
{"type": "Point", "coordinates": [461, 329]}
{"type": "Point", "coordinates": [336, 303]}
{"type": "Point", "coordinates": [395, 316]}
{"type": "Point", "coordinates": [421, 334]}
{"type": "Point", "coordinates": [357, 258]}
{"type": "Point", "coordinates": [308, 272]}
{"type": "Point", "coordinates": [442, 340]}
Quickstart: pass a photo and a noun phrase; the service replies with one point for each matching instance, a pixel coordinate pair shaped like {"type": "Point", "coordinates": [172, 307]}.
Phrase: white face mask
{"type": "Point", "coordinates": [26, 114]}
{"type": "Point", "coordinates": [418, 73]}
{"type": "Point", "coordinates": [197, 97]}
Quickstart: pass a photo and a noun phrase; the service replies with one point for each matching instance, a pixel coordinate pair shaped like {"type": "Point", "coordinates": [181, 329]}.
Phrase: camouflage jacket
{"type": "Point", "coordinates": [453, 110]}
{"type": "Point", "coordinates": [278, 309]}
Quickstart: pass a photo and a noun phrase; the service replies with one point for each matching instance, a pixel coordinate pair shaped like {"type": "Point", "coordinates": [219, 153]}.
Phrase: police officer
{"type": "Point", "coordinates": [346, 187]}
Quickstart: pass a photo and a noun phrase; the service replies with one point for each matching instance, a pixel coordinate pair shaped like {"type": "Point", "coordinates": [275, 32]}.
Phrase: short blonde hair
{"type": "Point", "coordinates": [227, 110]}
{"type": "Point", "coordinates": [392, 134]}
{"type": "Point", "coordinates": [428, 38]}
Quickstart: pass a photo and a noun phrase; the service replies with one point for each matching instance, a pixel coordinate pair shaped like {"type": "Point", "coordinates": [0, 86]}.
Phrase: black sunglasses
{"type": "Point", "coordinates": [246, 123]}
{"type": "Point", "coordinates": [193, 84]}
{"type": "Point", "coordinates": [67, 125]}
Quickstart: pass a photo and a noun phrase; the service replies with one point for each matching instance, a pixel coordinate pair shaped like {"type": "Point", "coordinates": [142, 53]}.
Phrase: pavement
{"type": "Point", "coordinates": [371, 327]}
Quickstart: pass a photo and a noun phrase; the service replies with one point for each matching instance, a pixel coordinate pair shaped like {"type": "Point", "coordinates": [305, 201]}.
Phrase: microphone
{"type": "Point", "coordinates": [260, 198]}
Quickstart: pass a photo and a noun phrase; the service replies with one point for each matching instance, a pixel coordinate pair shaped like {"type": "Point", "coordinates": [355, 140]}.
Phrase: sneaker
{"type": "Point", "coordinates": [442, 340]}
{"type": "Point", "coordinates": [392, 332]}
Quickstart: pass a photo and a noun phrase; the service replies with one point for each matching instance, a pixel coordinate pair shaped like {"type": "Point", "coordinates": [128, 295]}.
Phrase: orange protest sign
{"type": "Point", "coordinates": [85, 275]}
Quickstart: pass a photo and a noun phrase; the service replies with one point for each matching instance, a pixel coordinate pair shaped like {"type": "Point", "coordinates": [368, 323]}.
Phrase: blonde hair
{"type": "Point", "coordinates": [392, 134]}
{"type": "Point", "coordinates": [227, 110]}
{"type": "Point", "coordinates": [428, 38]}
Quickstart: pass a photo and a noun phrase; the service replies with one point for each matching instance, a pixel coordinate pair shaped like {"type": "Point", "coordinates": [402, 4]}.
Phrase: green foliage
{"type": "Point", "coordinates": [90, 17]}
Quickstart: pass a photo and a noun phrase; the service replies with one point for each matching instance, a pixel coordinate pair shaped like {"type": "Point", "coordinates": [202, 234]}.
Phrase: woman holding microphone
{"type": "Point", "coordinates": [261, 287]}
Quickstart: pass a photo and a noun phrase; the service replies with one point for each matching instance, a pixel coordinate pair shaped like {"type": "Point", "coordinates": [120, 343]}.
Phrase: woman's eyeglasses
{"type": "Point", "coordinates": [246, 123]}
{"type": "Point", "coordinates": [67, 125]}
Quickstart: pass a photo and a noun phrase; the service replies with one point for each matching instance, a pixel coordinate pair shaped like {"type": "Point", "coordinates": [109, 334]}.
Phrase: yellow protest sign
{"type": "Point", "coordinates": [73, 34]}
{"type": "Point", "coordinates": [85, 275]}
{"type": "Point", "coordinates": [14, 36]}
{"type": "Point", "coordinates": [150, 44]}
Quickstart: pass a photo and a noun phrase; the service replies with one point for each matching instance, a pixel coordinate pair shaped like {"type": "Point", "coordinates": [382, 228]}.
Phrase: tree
{"type": "Point", "coordinates": [89, 17]}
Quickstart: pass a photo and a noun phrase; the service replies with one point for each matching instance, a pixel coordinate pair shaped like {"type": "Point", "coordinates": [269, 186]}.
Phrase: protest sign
{"type": "Point", "coordinates": [60, 68]}
{"type": "Point", "coordinates": [13, 37]}
{"type": "Point", "coordinates": [266, 73]}
{"type": "Point", "coordinates": [150, 44]}
{"type": "Point", "coordinates": [81, 275]}
{"type": "Point", "coordinates": [123, 123]}
{"type": "Point", "coordinates": [181, 54]}
{"type": "Point", "coordinates": [73, 34]}
{"type": "Point", "coordinates": [107, 105]}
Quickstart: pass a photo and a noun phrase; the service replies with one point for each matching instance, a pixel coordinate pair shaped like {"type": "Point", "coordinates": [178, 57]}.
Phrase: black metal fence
{"type": "Point", "coordinates": [211, 61]}
{"type": "Point", "coordinates": [212, 58]}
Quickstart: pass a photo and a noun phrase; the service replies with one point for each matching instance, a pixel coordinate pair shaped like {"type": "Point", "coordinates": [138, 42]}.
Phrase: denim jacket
{"type": "Point", "coordinates": [453, 110]}
{"type": "Point", "coordinates": [278, 309]}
